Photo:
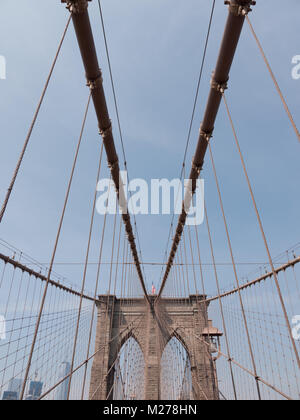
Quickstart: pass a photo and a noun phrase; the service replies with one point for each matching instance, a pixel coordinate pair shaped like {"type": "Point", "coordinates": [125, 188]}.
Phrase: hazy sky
{"type": "Point", "coordinates": [156, 49]}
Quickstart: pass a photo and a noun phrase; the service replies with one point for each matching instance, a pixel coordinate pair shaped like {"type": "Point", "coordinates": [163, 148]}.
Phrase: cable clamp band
{"type": "Point", "coordinates": [238, 9]}
{"type": "Point", "coordinates": [197, 168]}
{"type": "Point", "coordinates": [206, 135]}
{"type": "Point", "coordinates": [106, 132]}
{"type": "Point", "coordinates": [112, 166]}
{"type": "Point", "coordinates": [76, 6]}
{"type": "Point", "coordinates": [96, 83]}
{"type": "Point", "coordinates": [219, 87]}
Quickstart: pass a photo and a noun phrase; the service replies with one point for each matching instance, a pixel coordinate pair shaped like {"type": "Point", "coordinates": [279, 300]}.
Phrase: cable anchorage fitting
{"type": "Point", "coordinates": [104, 133]}
{"type": "Point", "coordinates": [219, 87]}
{"type": "Point", "coordinates": [76, 6]}
{"type": "Point", "coordinates": [206, 135]}
{"type": "Point", "coordinates": [96, 83]}
{"type": "Point", "coordinates": [238, 9]}
{"type": "Point", "coordinates": [113, 165]}
{"type": "Point", "coordinates": [196, 168]}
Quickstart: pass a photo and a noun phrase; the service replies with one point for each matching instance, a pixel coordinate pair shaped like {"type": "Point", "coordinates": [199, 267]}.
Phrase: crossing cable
{"type": "Point", "coordinates": [55, 246]}
{"type": "Point", "coordinates": [193, 112]}
{"type": "Point", "coordinates": [21, 157]}
{"type": "Point", "coordinates": [117, 112]}
{"type": "Point", "coordinates": [274, 79]}
{"type": "Point", "coordinates": [85, 38]}
{"type": "Point", "coordinates": [262, 231]}
{"type": "Point", "coordinates": [235, 22]}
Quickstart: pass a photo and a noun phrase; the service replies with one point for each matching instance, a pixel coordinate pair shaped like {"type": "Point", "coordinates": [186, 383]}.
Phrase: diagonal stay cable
{"type": "Point", "coordinates": [273, 77]}
{"type": "Point", "coordinates": [32, 125]}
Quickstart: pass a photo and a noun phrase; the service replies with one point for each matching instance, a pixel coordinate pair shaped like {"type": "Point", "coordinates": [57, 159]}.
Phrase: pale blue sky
{"type": "Point", "coordinates": [156, 50]}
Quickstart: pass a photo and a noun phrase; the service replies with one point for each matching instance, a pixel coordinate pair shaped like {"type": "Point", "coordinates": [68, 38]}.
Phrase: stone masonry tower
{"type": "Point", "coordinates": [184, 318]}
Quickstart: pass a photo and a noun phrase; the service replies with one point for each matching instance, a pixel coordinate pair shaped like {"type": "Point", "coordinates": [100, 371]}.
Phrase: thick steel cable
{"type": "Point", "coordinates": [234, 269]}
{"type": "Point", "coordinates": [55, 247]}
{"type": "Point", "coordinates": [262, 231]}
{"type": "Point", "coordinates": [274, 78]}
{"type": "Point", "coordinates": [13, 180]}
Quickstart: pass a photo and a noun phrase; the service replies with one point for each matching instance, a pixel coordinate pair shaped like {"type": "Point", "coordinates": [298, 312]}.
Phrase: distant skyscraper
{"type": "Point", "coordinates": [15, 385]}
{"type": "Point", "coordinates": [62, 390]}
{"type": "Point", "coordinates": [13, 390]}
{"type": "Point", "coordinates": [35, 390]}
{"type": "Point", "coordinates": [9, 396]}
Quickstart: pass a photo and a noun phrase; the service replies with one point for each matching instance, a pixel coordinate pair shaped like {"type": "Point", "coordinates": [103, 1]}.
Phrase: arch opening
{"type": "Point", "coordinates": [176, 373]}
{"type": "Point", "coordinates": [129, 376]}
